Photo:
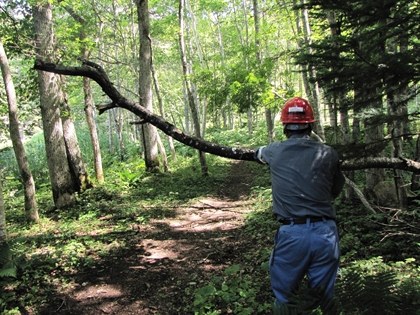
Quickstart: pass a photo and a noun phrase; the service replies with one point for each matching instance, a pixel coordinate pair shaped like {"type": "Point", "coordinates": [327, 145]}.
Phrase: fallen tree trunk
{"type": "Point", "coordinates": [96, 73]}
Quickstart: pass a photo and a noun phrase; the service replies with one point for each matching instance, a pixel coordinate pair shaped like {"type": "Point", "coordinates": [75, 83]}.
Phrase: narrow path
{"type": "Point", "coordinates": [170, 257]}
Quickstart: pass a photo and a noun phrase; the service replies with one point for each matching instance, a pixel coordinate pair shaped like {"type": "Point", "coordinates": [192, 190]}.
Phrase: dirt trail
{"type": "Point", "coordinates": [167, 256]}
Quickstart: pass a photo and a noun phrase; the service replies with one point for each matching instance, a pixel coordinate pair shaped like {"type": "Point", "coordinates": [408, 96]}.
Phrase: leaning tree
{"type": "Point", "coordinates": [98, 74]}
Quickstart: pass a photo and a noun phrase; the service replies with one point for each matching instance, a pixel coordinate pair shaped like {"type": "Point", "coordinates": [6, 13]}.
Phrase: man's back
{"type": "Point", "coordinates": [305, 177]}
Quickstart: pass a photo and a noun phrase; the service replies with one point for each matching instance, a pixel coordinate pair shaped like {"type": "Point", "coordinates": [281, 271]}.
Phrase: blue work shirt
{"type": "Point", "coordinates": [306, 177]}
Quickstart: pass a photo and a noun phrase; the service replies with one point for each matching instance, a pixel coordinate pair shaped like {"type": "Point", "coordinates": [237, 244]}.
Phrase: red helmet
{"type": "Point", "coordinates": [297, 111]}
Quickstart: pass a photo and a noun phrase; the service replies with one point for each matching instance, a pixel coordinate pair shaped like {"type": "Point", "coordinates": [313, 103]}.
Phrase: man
{"type": "Point", "coordinates": [306, 177]}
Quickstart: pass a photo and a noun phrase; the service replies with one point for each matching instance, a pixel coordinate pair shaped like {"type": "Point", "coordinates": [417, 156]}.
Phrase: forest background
{"type": "Point", "coordinates": [216, 74]}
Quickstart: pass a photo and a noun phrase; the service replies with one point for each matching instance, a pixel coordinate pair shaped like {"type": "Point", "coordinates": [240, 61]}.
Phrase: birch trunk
{"type": "Point", "coordinates": [89, 111]}
{"type": "Point", "coordinates": [119, 121]}
{"type": "Point", "coordinates": [31, 209]}
{"type": "Point", "coordinates": [110, 132]}
{"type": "Point", "coordinates": [50, 98]}
{"type": "Point", "coordinates": [267, 111]}
{"type": "Point", "coordinates": [195, 42]}
{"type": "Point", "coordinates": [190, 96]}
{"type": "Point", "coordinates": [79, 174]}
{"type": "Point", "coordinates": [162, 110]}
{"type": "Point", "coordinates": [227, 108]}
{"type": "Point", "coordinates": [145, 86]}
{"type": "Point", "coordinates": [3, 230]}
{"type": "Point", "coordinates": [314, 96]}
{"type": "Point", "coordinates": [89, 103]}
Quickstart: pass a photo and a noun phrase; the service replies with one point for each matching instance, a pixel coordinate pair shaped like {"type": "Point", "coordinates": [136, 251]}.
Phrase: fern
{"type": "Point", "coordinates": [8, 270]}
{"type": "Point", "coordinates": [375, 294]}
{"type": "Point", "coordinates": [5, 253]}
{"type": "Point", "coordinates": [307, 301]}
{"type": "Point", "coordinates": [358, 294]}
{"type": "Point", "coordinates": [7, 265]}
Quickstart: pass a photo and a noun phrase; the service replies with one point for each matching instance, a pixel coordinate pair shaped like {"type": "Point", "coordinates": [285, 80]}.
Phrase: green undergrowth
{"type": "Point", "coordinates": [379, 274]}
{"type": "Point", "coordinates": [46, 257]}
{"type": "Point", "coordinates": [374, 277]}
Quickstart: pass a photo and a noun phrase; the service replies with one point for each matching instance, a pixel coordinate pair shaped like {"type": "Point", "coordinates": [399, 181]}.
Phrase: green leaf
{"type": "Point", "coordinates": [231, 270]}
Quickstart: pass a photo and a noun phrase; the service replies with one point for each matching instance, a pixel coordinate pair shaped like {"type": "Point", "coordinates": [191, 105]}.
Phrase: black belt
{"type": "Point", "coordinates": [301, 220]}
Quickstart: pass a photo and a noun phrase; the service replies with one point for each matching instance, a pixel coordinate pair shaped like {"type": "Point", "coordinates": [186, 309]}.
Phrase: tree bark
{"type": "Point", "coordinates": [145, 86]}
{"type": "Point", "coordinates": [397, 107]}
{"type": "Point", "coordinates": [3, 230]}
{"type": "Point", "coordinates": [89, 111]}
{"type": "Point", "coordinates": [80, 178]}
{"type": "Point", "coordinates": [310, 73]}
{"type": "Point", "coordinates": [162, 111]}
{"type": "Point", "coordinates": [50, 98]}
{"type": "Point", "coordinates": [89, 101]}
{"type": "Point", "coordinates": [338, 99]}
{"type": "Point", "coordinates": [31, 209]}
{"type": "Point", "coordinates": [267, 111]}
{"type": "Point", "coordinates": [190, 96]}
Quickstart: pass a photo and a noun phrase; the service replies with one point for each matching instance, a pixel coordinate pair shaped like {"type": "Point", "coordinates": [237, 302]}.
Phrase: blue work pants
{"type": "Point", "coordinates": [312, 249]}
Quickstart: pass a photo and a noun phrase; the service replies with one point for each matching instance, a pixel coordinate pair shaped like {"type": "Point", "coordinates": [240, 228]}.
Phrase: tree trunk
{"type": "Point", "coordinates": [190, 96]}
{"type": "Point", "coordinates": [89, 101]}
{"type": "Point", "coordinates": [249, 119]}
{"type": "Point", "coordinates": [339, 101]}
{"type": "Point", "coordinates": [110, 133]}
{"type": "Point", "coordinates": [145, 86]}
{"type": "Point", "coordinates": [314, 96]}
{"type": "Point", "coordinates": [3, 230]}
{"type": "Point", "coordinates": [89, 111]}
{"type": "Point", "coordinates": [398, 107]}
{"type": "Point", "coordinates": [415, 178]}
{"type": "Point", "coordinates": [50, 98]}
{"type": "Point", "coordinates": [162, 111]}
{"type": "Point", "coordinates": [200, 104]}
{"type": "Point", "coordinates": [267, 111]}
{"type": "Point", "coordinates": [371, 93]}
{"type": "Point", "coordinates": [78, 170]}
{"type": "Point", "coordinates": [31, 209]}
{"type": "Point", "coordinates": [163, 153]}
{"type": "Point", "coordinates": [396, 133]}
{"type": "Point", "coordinates": [225, 109]}
{"type": "Point", "coordinates": [118, 116]}
{"type": "Point", "coordinates": [373, 134]}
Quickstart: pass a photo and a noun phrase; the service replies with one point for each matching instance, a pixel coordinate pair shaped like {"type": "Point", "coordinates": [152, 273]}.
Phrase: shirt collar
{"type": "Point", "coordinates": [299, 136]}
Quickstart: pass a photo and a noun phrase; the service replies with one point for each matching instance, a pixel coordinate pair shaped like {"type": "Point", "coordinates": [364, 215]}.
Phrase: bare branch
{"type": "Point", "coordinates": [359, 194]}
{"type": "Point", "coordinates": [138, 122]}
{"type": "Point", "coordinates": [95, 72]}
{"type": "Point", "coordinates": [399, 234]}
{"type": "Point", "coordinates": [381, 162]}
{"type": "Point", "coordinates": [104, 108]}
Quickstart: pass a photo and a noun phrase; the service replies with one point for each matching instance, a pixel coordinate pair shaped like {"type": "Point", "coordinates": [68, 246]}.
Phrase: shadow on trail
{"type": "Point", "coordinates": [160, 264]}
{"type": "Point", "coordinates": [153, 274]}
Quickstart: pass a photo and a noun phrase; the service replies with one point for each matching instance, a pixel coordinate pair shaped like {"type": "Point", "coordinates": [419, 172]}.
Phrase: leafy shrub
{"type": "Point", "coordinates": [234, 292]}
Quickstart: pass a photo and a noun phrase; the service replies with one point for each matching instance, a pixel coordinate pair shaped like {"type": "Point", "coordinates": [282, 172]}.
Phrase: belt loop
{"type": "Point", "coordinates": [292, 221]}
{"type": "Point", "coordinates": [308, 222]}
{"type": "Point", "coordinates": [324, 219]}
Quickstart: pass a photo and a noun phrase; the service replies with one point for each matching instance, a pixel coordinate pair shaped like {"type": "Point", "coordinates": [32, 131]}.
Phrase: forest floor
{"type": "Point", "coordinates": [167, 256]}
